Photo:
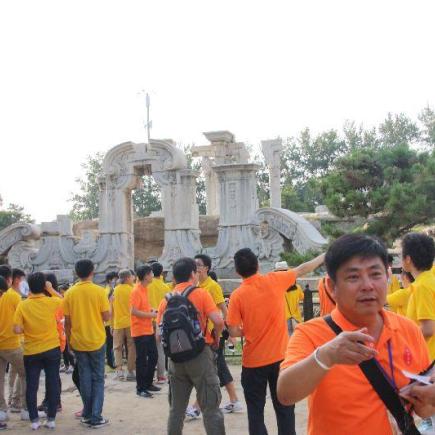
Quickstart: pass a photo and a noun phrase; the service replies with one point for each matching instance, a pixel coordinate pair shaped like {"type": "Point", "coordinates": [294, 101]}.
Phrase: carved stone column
{"type": "Point", "coordinates": [182, 235]}
{"type": "Point", "coordinates": [211, 187]}
{"type": "Point", "coordinates": [238, 198]}
{"type": "Point", "coordinates": [271, 151]}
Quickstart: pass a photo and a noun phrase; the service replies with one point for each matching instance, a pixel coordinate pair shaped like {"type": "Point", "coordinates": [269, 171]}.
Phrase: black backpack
{"type": "Point", "coordinates": [180, 329]}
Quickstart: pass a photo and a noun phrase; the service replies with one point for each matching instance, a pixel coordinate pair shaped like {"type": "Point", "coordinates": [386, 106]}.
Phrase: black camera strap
{"type": "Point", "coordinates": [383, 389]}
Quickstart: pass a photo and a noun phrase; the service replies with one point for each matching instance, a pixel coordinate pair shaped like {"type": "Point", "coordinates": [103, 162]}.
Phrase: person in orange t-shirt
{"type": "Point", "coordinates": [325, 366]}
{"type": "Point", "coordinates": [142, 332]}
{"type": "Point", "coordinates": [327, 303]}
{"type": "Point", "coordinates": [200, 371]}
{"type": "Point", "coordinates": [257, 312]}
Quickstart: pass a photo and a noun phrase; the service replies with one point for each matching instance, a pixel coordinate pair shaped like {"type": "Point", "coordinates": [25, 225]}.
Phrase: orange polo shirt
{"type": "Point", "coordinates": [203, 303]}
{"type": "Point", "coordinates": [344, 402]}
{"type": "Point", "coordinates": [327, 303]}
{"type": "Point", "coordinates": [258, 306]}
{"type": "Point", "coordinates": [139, 300]}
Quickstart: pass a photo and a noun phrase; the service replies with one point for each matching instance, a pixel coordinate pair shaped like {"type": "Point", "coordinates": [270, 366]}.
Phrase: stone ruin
{"type": "Point", "coordinates": [231, 194]}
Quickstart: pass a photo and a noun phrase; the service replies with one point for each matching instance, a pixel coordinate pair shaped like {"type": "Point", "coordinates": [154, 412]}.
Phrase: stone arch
{"type": "Point", "coordinates": [123, 166]}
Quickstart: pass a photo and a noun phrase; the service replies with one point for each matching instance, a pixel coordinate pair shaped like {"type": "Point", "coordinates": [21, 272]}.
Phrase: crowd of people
{"type": "Point", "coordinates": [357, 363]}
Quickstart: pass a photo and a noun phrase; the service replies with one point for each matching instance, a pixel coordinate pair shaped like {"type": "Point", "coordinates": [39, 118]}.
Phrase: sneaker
{"type": "Point", "coordinates": [100, 423]}
{"type": "Point", "coordinates": [153, 389]}
{"type": "Point", "coordinates": [15, 409]}
{"type": "Point", "coordinates": [130, 376]}
{"type": "Point", "coordinates": [145, 394]}
{"type": "Point", "coordinates": [231, 407]}
{"type": "Point", "coordinates": [162, 380]}
{"type": "Point", "coordinates": [86, 421]}
{"type": "Point", "coordinates": [69, 370]}
{"type": "Point", "coordinates": [62, 369]}
{"type": "Point", "coordinates": [4, 416]}
{"type": "Point", "coordinates": [3, 426]}
{"type": "Point", "coordinates": [50, 424]}
{"type": "Point", "coordinates": [78, 414]}
{"type": "Point", "coordinates": [192, 413]}
{"type": "Point", "coordinates": [25, 415]}
{"type": "Point", "coordinates": [119, 375]}
{"type": "Point", "coordinates": [35, 425]}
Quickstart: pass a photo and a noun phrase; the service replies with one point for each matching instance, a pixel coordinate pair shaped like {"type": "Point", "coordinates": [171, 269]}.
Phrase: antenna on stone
{"type": "Point", "coordinates": [147, 124]}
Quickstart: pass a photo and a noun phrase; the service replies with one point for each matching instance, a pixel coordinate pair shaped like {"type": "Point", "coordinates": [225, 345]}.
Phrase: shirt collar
{"type": "Point", "coordinates": [37, 296]}
{"type": "Point", "coordinates": [423, 275]}
{"type": "Point", "coordinates": [390, 321]}
{"type": "Point", "coordinates": [182, 286]}
{"type": "Point", "coordinates": [201, 284]}
{"type": "Point", "coordinates": [251, 278]}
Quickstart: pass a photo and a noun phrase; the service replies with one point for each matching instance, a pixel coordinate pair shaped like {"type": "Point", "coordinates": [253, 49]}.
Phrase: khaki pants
{"type": "Point", "coordinates": [200, 373]}
{"type": "Point", "coordinates": [161, 369]}
{"type": "Point", "coordinates": [14, 399]}
{"type": "Point", "coordinates": [121, 336]}
{"type": "Point", "coordinates": [15, 358]}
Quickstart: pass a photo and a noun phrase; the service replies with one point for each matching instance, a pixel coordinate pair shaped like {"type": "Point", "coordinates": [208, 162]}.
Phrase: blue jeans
{"type": "Point", "coordinates": [48, 361]}
{"type": "Point", "coordinates": [91, 372]}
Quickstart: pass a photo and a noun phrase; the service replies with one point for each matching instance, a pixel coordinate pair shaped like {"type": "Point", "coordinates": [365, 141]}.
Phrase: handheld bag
{"type": "Point", "coordinates": [180, 329]}
{"type": "Point", "coordinates": [383, 389]}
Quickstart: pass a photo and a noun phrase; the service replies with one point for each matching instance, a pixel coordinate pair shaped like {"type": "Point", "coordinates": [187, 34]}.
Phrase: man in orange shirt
{"type": "Point", "coordinates": [257, 312]}
{"type": "Point", "coordinates": [142, 331]}
{"type": "Point", "coordinates": [199, 372]}
{"type": "Point", "coordinates": [326, 367]}
{"type": "Point", "coordinates": [327, 303]}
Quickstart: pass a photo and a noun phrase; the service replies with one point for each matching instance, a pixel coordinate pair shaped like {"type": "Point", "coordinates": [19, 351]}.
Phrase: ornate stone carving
{"type": "Point", "coordinates": [299, 231]}
{"type": "Point", "coordinates": [16, 233]}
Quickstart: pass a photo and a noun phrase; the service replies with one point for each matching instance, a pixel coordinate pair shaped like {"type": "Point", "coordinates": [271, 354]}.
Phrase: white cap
{"type": "Point", "coordinates": [281, 265]}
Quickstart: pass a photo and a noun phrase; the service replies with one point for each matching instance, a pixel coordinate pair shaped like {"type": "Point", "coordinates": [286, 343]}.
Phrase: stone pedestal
{"type": "Point", "coordinates": [238, 197]}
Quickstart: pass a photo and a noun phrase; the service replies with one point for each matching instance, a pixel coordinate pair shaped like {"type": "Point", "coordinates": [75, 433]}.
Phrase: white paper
{"type": "Point", "coordinates": [422, 379]}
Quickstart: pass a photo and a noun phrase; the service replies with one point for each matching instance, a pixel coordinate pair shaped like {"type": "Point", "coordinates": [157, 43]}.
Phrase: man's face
{"type": "Point", "coordinates": [148, 278]}
{"type": "Point", "coordinates": [360, 287]}
{"type": "Point", "coordinates": [16, 283]}
{"type": "Point", "coordinates": [201, 269]}
{"type": "Point", "coordinates": [130, 279]}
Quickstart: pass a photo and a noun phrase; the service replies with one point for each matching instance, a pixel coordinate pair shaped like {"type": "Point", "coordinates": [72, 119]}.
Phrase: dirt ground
{"type": "Point", "coordinates": [131, 415]}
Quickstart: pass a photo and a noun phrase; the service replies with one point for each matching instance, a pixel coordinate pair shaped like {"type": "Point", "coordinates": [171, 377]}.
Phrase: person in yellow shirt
{"type": "Point", "coordinates": [293, 296]}
{"type": "Point", "coordinates": [10, 345]}
{"type": "Point", "coordinates": [393, 281]}
{"type": "Point", "coordinates": [203, 265]}
{"type": "Point", "coordinates": [35, 318]}
{"type": "Point", "coordinates": [111, 279]}
{"type": "Point", "coordinates": [398, 300]}
{"type": "Point", "coordinates": [121, 325]}
{"type": "Point", "coordinates": [157, 291]}
{"type": "Point", "coordinates": [86, 308]}
{"type": "Point", "coordinates": [418, 252]}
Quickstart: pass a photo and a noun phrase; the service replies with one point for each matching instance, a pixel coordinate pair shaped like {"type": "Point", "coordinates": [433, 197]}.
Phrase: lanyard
{"type": "Point", "coordinates": [391, 379]}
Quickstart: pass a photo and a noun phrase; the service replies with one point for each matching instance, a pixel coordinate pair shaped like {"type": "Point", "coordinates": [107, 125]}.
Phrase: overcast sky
{"type": "Point", "coordinates": [71, 72]}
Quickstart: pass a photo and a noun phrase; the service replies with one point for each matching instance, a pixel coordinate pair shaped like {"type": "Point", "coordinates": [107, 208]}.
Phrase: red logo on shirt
{"type": "Point", "coordinates": [407, 356]}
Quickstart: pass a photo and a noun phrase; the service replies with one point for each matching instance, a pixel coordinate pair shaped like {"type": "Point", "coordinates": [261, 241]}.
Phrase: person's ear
{"type": "Point", "coordinates": [330, 284]}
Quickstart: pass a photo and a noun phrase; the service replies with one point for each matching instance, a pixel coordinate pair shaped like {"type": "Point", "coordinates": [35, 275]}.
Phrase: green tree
{"type": "Point", "coordinates": [86, 202]}
{"type": "Point", "coordinates": [427, 118]}
{"type": "Point", "coordinates": [392, 187]}
{"type": "Point", "coordinates": [12, 215]}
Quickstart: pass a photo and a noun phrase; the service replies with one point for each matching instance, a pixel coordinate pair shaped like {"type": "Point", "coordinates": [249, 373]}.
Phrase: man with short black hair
{"type": "Point", "coordinates": [341, 361]}
{"type": "Point", "coordinates": [86, 309]}
{"type": "Point", "coordinates": [10, 346]}
{"type": "Point", "coordinates": [257, 312]}
{"type": "Point", "coordinates": [142, 332]}
{"type": "Point", "coordinates": [157, 290]}
{"type": "Point", "coordinates": [418, 252]}
{"type": "Point", "coordinates": [199, 372]}
{"type": "Point", "coordinates": [121, 325]}
{"type": "Point", "coordinates": [14, 400]}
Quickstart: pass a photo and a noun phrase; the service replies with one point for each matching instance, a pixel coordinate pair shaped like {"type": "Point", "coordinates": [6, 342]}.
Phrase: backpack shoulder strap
{"type": "Point", "coordinates": [188, 290]}
{"type": "Point", "coordinates": [383, 389]}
